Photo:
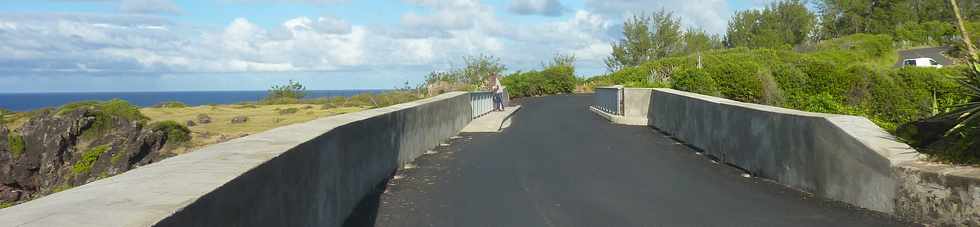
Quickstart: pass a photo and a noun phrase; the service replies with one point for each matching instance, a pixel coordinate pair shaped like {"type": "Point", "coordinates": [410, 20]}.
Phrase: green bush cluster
{"type": "Point", "coordinates": [170, 104]}
{"type": "Point", "coordinates": [697, 81]}
{"type": "Point", "coordinates": [15, 144]}
{"type": "Point", "coordinates": [176, 133]}
{"type": "Point", "coordinates": [557, 79]}
{"type": "Point", "coordinates": [290, 91]}
{"type": "Point", "coordinates": [104, 113]}
{"type": "Point", "coordinates": [850, 75]}
{"type": "Point", "coordinates": [89, 157]}
{"type": "Point", "coordinates": [925, 33]}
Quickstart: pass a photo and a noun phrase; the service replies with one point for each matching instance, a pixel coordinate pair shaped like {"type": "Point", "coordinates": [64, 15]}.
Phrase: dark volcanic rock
{"type": "Point", "coordinates": [55, 143]}
{"type": "Point", "coordinates": [203, 119]}
{"type": "Point", "coordinates": [239, 120]}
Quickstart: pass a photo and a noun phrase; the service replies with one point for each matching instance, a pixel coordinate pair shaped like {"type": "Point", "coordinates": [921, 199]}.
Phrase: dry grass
{"type": "Point", "coordinates": [260, 118]}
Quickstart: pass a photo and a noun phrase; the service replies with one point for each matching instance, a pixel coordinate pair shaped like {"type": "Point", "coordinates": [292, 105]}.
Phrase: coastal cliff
{"type": "Point", "coordinates": [57, 150]}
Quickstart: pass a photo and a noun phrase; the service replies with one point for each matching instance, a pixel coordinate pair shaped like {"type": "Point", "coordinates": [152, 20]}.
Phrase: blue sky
{"type": "Point", "coordinates": [163, 45]}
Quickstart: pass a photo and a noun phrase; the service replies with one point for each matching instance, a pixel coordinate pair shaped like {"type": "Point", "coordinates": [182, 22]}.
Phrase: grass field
{"type": "Point", "coordinates": [260, 118]}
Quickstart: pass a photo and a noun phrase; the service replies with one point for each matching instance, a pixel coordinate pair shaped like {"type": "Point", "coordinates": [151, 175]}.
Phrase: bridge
{"type": "Point", "coordinates": [619, 157]}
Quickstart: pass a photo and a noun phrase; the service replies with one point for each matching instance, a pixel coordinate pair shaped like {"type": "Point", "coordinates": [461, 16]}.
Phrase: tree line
{"type": "Point", "coordinates": [794, 24]}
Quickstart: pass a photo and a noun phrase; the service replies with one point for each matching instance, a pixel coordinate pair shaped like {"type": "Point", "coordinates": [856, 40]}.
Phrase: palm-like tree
{"type": "Point", "coordinates": [966, 115]}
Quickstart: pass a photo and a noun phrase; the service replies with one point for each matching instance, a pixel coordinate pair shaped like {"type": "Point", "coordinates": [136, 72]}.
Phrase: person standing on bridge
{"type": "Point", "coordinates": [498, 92]}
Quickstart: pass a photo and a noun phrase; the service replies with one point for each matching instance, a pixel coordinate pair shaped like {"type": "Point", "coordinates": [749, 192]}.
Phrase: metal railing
{"type": "Point", "coordinates": [482, 102]}
{"type": "Point", "coordinates": [609, 99]}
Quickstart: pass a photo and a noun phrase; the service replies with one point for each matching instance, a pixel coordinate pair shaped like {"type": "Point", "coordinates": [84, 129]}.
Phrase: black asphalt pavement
{"type": "Point", "coordinates": [560, 165]}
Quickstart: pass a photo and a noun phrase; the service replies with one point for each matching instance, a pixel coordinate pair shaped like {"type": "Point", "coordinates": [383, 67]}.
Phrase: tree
{"type": "Point", "coordinates": [780, 24]}
{"type": "Point", "coordinates": [967, 115]}
{"type": "Point", "coordinates": [567, 60]}
{"type": "Point", "coordinates": [646, 38]}
{"type": "Point", "coordinates": [635, 47]}
{"type": "Point", "coordinates": [845, 17]}
{"type": "Point", "coordinates": [479, 68]}
{"type": "Point", "coordinates": [475, 71]}
{"type": "Point", "coordinates": [292, 90]}
{"type": "Point", "coordinates": [696, 41]}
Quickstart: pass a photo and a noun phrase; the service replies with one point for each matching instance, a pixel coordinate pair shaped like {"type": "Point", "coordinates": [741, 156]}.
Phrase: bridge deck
{"type": "Point", "coordinates": [559, 165]}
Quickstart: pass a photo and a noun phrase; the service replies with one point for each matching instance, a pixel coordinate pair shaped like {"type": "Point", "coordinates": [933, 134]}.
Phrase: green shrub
{"type": "Point", "coordinates": [290, 91]}
{"type": "Point", "coordinates": [792, 82]}
{"type": "Point", "coordinates": [16, 145]}
{"type": "Point", "coordinates": [89, 158]}
{"type": "Point", "coordinates": [552, 80]}
{"type": "Point", "coordinates": [737, 80]}
{"type": "Point", "coordinates": [849, 75]}
{"type": "Point", "coordinates": [866, 45]}
{"type": "Point", "coordinates": [695, 80]}
{"type": "Point", "coordinates": [104, 113]}
{"type": "Point", "coordinates": [116, 157]}
{"type": "Point", "coordinates": [170, 104]}
{"type": "Point", "coordinates": [176, 133]}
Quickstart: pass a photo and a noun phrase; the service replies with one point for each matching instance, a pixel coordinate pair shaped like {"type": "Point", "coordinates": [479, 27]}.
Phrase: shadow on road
{"type": "Point", "coordinates": [366, 212]}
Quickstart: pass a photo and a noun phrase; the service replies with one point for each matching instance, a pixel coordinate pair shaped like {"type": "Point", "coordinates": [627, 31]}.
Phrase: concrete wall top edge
{"type": "Point", "coordinates": [145, 195]}
{"type": "Point", "coordinates": [875, 137]}
{"type": "Point", "coordinates": [744, 104]}
{"type": "Point", "coordinates": [860, 128]}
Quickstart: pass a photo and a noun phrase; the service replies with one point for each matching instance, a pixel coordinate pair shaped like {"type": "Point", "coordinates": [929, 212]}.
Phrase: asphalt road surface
{"type": "Point", "coordinates": [936, 53]}
{"type": "Point", "coordinates": [560, 165]}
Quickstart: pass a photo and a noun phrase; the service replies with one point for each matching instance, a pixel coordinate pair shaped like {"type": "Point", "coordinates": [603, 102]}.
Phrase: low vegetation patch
{"type": "Point", "coordinates": [176, 133]}
{"type": "Point", "coordinates": [290, 110]}
{"type": "Point", "coordinates": [289, 93]}
{"type": "Point", "coordinates": [89, 158]}
{"type": "Point", "coordinates": [15, 143]}
{"type": "Point", "coordinates": [557, 77]}
{"type": "Point", "coordinates": [104, 113]}
{"type": "Point", "coordinates": [841, 76]}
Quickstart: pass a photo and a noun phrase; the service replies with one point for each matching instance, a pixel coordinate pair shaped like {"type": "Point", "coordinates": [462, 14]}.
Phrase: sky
{"type": "Point", "coordinates": [183, 45]}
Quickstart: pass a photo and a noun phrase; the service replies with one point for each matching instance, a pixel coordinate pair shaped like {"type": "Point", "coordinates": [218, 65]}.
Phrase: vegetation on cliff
{"type": "Point", "coordinates": [839, 59]}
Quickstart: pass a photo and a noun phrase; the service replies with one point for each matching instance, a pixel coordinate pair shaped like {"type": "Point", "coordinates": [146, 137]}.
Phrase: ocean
{"type": "Point", "coordinates": [32, 101]}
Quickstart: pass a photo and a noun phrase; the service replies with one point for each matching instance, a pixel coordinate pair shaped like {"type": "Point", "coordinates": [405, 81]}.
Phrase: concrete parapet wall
{"type": "Point", "coordinates": [845, 158]}
{"type": "Point", "coordinates": [609, 99]}
{"type": "Point", "coordinates": [634, 101]}
{"type": "Point", "coordinates": [309, 174]}
{"type": "Point", "coordinates": [818, 153]}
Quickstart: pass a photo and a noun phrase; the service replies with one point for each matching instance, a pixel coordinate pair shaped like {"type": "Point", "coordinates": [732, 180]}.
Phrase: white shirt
{"type": "Point", "coordinates": [496, 84]}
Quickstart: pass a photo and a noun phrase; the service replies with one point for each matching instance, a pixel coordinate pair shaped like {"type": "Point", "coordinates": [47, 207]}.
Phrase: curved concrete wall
{"type": "Point", "coordinates": [309, 174]}
{"type": "Point", "coordinates": [845, 158]}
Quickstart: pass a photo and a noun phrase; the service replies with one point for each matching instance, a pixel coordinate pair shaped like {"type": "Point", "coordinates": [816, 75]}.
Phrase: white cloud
{"type": "Point", "coordinates": [449, 15]}
{"type": "Point", "coordinates": [711, 15]}
{"type": "Point", "coordinates": [539, 7]}
{"type": "Point", "coordinates": [125, 44]}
